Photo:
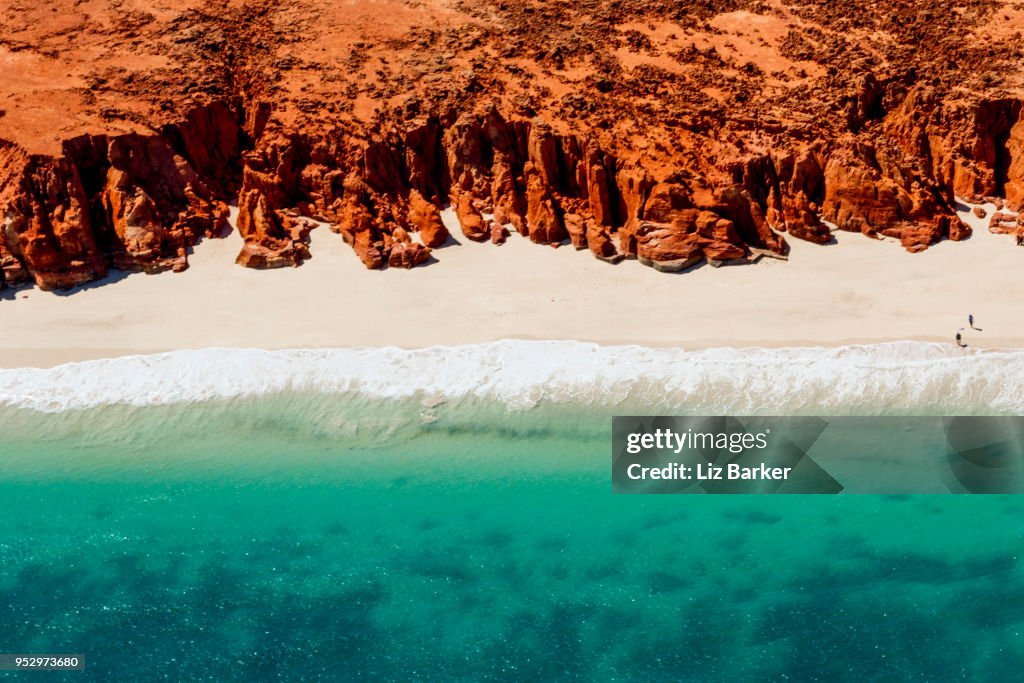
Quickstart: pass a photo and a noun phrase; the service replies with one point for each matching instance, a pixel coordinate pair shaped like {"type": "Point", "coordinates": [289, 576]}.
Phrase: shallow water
{"type": "Point", "coordinates": [323, 537]}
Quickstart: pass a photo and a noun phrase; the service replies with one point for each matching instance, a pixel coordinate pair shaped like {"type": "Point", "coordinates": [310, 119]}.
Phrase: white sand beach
{"type": "Point", "coordinates": [857, 290]}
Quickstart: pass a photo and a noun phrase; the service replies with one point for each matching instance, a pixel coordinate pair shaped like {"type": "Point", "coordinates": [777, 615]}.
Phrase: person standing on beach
{"type": "Point", "coordinates": [959, 339]}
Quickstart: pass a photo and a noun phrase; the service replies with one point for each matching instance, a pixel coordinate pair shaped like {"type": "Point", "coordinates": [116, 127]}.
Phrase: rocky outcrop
{"type": "Point", "coordinates": [129, 202]}
{"type": "Point", "coordinates": [595, 127]}
{"type": "Point", "coordinates": [548, 187]}
{"type": "Point", "coordinates": [470, 219]}
{"type": "Point", "coordinates": [357, 225]}
{"type": "Point", "coordinates": [973, 150]}
{"type": "Point", "coordinates": [543, 215]}
{"type": "Point", "coordinates": [1003, 223]}
{"type": "Point", "coordinates": [140, 202]}
{"type": "Point", "coordinates": [425, 218]}
{"type": "Point", "coordinates": [693, 236]}
{"type": "Point", "coordinates": [875, 191]}
{"type": "Point", "coordinates": [272, 239]}
{"type": "Point", "coordinates": [602, 244]}
{"type": "Point", "coordinates": [48, 235]}
{"type": "Point", "coordinates": [667, 248]}
{"type": "Point", "coordinates": [796, 185]}
{"type": "Point", "coordinates": [154, 205]}
{"type": "Point", "coordinates": [404, 253]}
{"type": "Point", "coordinates": [991, 158]}
{"type": "Point", "coordinates": [633, 188]}
{"type": "Point", "coordinates": [499, 234]}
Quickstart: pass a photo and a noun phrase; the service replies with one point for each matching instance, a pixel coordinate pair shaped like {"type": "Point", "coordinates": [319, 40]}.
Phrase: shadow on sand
{"type": "Point", "coordinates": [111, 277]}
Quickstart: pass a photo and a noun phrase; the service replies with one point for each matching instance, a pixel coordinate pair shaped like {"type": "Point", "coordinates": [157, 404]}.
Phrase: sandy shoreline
{"type": "Point", "coordinates": [857, 291]}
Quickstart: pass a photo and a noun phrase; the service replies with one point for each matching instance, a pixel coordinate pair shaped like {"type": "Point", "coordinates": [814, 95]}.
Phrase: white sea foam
{"type": "Point", "coordinates": [901, 376]}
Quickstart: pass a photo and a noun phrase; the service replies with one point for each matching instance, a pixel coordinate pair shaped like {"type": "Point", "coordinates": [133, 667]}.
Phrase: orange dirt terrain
{"type": "Point", "coordinates": [670, 132]}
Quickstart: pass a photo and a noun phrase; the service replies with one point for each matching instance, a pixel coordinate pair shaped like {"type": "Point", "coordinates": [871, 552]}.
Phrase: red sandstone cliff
{"type": "Point", "coordinates": [672, 133]}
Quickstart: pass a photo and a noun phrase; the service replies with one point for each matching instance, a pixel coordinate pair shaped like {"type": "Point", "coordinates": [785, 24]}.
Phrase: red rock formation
{"type": "Point", "coordinates": [873, 124]}
{"type": "Point", "coordinates": [272, 239]}
{"type": "Point", "coordinates": [993, 164]}
{"type": "Point", "coordinates": [974, 150]}
{"type": "Point", "coordinates": [464, 145]}
{"type": "Point", "coordinates": [736, 203]}
{"type": "Point", "coordinates": [719, 253]}
{"type": "Point", "coordinates": [692, 236]}
{"type": "Point", "coordinates": [575, 226]}
{"type": "Point", "coordinates": [48, 233]}
{"type": "Point", "coordinates": [155, 204]}
{"type": "Point", "coordinates": [507, 200]}
{"type": "Point", "coordinates": [874, 191]}
{"type": "Point", "coordinates": [543, 220]}
{"type": "Point", "coordinates": [666, 203]}
{"type": "Point", "coordinates": [127, 201]}
{"type": "Point", "coordinates": [667, 248]}
{"type": "Point", "coordinates": [1002, 223]}
{"type": "Point", "coordinates": [1010, 163]}
{"type": "Point", "coordinates": [357, 225]}
{"type": "Point", "coordinates": [634, 185]}
{"type": "Point", "coordinates": [712, 227]}
{"type": "Point", "coordinates": [958, 230]}
{"type": "Point", "coordinates": [425, 218]}
{"type": "Point", "coordinates": [499, 234]}
{"type": "Point", "coordinates": [533, 176]}
{"type": "Point", "coordinates": [211, 140]}
{"type": "Point", "coordinates": [790, 207]}
{"type": "Point", "coordinates": [404, 253]}
{"type": "Point", "coordinates": [598, 194]}
{"type": "Point", "coordinates": [601, 243]}
{"type": "Point", "coordinates": [470, 220]}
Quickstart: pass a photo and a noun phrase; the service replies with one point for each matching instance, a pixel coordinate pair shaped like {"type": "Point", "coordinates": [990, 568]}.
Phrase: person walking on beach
{"type": "Point", "coordinates": [959, 339]}
{"type": "Point", "coordinates": [970, 321]}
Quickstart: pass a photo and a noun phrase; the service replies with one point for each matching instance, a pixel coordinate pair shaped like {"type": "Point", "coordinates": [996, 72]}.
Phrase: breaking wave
{"type": "Point", "coordinates": [875, 379]}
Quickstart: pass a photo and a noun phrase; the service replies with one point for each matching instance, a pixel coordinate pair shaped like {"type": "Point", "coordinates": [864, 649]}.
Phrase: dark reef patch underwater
{"type": "Point", "coordinates": [311, 538]}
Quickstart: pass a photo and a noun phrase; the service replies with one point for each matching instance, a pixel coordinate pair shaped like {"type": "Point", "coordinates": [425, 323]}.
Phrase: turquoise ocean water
{"type": "Point", "coordinates": [301, 534]}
